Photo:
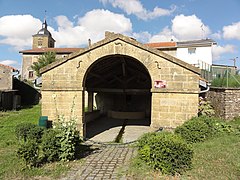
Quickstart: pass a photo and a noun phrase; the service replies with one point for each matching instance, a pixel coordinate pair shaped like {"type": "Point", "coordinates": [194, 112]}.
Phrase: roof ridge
{"type": "Point", "coordinates": [10, 67]}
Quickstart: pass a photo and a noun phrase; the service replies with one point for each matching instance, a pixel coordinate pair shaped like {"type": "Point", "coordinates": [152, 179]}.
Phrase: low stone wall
{"type": "Point", "coordinates": [225, 101]}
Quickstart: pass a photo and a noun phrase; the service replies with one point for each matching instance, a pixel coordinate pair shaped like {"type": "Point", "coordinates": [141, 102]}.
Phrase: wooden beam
{"type": "Point", "coordinates": [110, 90]}
{"type": "Point", "coordinates": [117, 78]}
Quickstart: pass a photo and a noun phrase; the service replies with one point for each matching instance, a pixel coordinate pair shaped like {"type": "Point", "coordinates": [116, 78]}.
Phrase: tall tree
{"type": "Point", "coordinates": [43, 60]}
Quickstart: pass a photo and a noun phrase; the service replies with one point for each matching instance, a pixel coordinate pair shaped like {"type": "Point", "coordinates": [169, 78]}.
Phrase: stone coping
{"type": "Point", "coordinates": [225, 88]}
{"type": "Point", "coordinates": [113, 37]}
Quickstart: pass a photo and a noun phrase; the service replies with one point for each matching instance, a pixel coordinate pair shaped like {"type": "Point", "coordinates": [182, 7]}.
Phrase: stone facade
{"type": "Point", "coordinates": [42, 42]}
{"type": "Point", "coordinates": [43, 39]}
{"type": "Point", "coordinates": [28, 58]}
{"type": "Point", "coordinates": [6, 77]}
{"type": "Point", "coordinates": [225, 102]}
{"type": "Point", "coordinates": [63, 83]}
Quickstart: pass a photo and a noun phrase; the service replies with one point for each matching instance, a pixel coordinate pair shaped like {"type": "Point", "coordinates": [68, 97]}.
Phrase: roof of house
{"type": "Point", "coordinates": [223, 65]}
{"type": "Point", "coordinates": [162, 45]}
{"type": "Point", "coordinates": [57, 50]}
{"type": "Point", "coordinates": [196, 43]}
{"type": "Point", "coordinates": [179, 44]}
{"type": "Point", "coordinates": [111, 37]}
{"type": "Point", "coordinates": [9, 67]}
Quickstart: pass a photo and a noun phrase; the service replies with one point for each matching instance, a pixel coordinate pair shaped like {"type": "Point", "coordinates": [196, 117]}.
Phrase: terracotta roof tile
{"type": "Point", "coordinates": [57, 50]}
{"type": "Point", "coordinates": [9, 67]}
{"type": "Point", "coordinates": [162, 44]}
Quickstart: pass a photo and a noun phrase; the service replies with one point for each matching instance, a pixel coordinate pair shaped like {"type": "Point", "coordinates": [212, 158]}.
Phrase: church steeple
{"type": "Point", "coordinates": [44, 25]}
{"type": "Point", "coordinates": [43, 38]}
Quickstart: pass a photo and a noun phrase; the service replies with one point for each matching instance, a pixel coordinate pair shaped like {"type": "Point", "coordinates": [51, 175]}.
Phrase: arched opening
{"type": "Point", "coordinates": [118, 94]}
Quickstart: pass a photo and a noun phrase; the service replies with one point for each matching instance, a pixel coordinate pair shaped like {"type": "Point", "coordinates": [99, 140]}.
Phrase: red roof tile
{"type": "Point", "coordinates": [57, 50]}
{"type": "Point", "coordinates": [9, 67]}
{"type": "Point", "coordinates": [162, 44]}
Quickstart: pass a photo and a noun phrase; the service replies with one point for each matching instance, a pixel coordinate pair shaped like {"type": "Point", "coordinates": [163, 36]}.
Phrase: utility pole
{"type": "Point", "coordinates": [234, 61]}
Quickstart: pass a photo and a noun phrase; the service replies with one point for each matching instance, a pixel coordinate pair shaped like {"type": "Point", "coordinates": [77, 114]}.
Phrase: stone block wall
{"type": "Point", "coordinates": [63, 103]}
{"type": "Point", "coordinates": [6, 82]}
{"type": "Point", "coordinates": [173, 109]}
{"type": "Point", "coordinates": [225, 101]}
{"type": "Point", "coordinates": [170, 106]}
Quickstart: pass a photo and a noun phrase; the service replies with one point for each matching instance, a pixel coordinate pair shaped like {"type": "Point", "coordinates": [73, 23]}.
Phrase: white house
{"type": "Point", "coordinates": [195, 52]}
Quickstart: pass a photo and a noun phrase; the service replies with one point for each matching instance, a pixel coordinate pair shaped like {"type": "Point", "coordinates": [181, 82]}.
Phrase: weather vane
{"type": "Point", "coordinates": [45, 15]}
{"type": "Point", "coordinates": [203, 32]}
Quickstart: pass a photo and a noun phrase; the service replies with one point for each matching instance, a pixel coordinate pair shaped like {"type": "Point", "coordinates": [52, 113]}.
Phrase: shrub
{"type": "Point", "coordinates": [30, 153]}
{"type": "Point", "coordinates": [166, 152]}
{"type": "Point", "coordinates": [50, 145]}
{"type": "Point", "coordinates": [205, 108]}
{"type": "Point", "coordinates": [69, 139]}
{"type": "Point", "coordinates": [197, 129]}
{"type": "Point", "coordinates": [38, 145]}
{"type": "Point", "coordinates": [28, 131]}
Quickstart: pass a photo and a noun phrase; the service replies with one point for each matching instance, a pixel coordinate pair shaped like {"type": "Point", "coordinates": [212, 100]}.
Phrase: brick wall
{"type": "Point", "coordinates": [225, 101]}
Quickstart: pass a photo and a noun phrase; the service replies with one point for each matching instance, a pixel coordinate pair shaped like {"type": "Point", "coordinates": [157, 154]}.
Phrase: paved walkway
{"type": "Point", "coordinates": [107, 129]}
{"type": "Point", "coordinates": [103, 164]}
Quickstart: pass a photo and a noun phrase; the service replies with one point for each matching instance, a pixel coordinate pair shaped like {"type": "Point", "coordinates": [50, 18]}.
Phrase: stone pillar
{"type": "Point", "coordinates": [90, 101]}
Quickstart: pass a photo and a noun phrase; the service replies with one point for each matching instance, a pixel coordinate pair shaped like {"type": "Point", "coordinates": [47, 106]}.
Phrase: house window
{"type": "Point", "coordinates": [191, 50]}
{"type": "Point", "coordinates": [30, 74]}
{"type": "Point", "coordinates": [40, 43]}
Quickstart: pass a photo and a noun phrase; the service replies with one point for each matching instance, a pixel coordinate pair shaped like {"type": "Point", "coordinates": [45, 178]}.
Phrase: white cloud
{"type": "Point", "coordinates": [17, 30]}
{"type": "Point", "coordinates": [135, 7]}
{"type": "Point", "coordinates": [217, 35]}
{"type": "Point", "coordinates": [92, 25]}
{"type": "Point", "coordinates": [189, 27]}
{"type": "Point", "coordinates": [220, 50]}
{"type": "Point", "coordinates": [100, 20]}
{"type": "Point", "coordinates": [142, 37]}
{"type": "Point", "coordinates": [165, 35]}
{"type": "Point", "coordinates": [232, 31]}
{"type": "Point", "coordinates": [9, 62]}
{"type": "Point", "coordinates": [183, 28]}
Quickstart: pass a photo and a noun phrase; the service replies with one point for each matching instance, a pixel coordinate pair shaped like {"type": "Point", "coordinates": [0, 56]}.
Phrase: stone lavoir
{"type": "Point", "coordinates": [120, 77]}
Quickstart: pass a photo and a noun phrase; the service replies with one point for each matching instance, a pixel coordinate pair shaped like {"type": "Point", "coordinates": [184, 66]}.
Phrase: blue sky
{"type": "Point", "coordinates": [73, 22]}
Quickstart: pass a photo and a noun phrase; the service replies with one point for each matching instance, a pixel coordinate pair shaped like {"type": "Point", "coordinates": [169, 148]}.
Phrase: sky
{"type": "Point", "coordinates": [73, 22]}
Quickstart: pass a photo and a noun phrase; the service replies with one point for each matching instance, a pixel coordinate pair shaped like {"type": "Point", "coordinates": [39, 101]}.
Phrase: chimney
{"type": "Point", "coordinates": [108, 34]}
{"type": "Point", "coordinates": [89, 43]}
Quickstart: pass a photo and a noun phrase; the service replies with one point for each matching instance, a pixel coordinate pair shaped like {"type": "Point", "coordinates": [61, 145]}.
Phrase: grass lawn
{"type": "Point", "coordinates": [217, 158]}
{"type": "Point", "coordinates": [11, 167]}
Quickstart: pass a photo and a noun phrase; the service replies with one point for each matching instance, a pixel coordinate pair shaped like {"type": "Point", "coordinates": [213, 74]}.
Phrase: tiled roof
{"type": "Point", "coordinates": [9, 67]}
{"type": "Point", "coordinates": [57, 50]}
{"type": "Point", "coordinates": [201, 42]}
{"type": "Point", "coordinates": [192, 43]}
{"type": "Point", "coordinates": [162, 44]}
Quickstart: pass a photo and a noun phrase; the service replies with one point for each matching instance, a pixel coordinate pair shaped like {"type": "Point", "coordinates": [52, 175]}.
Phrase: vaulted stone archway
{"type": "Point", "coordinates": [121, 66]}
{"type": "Point", "coordinates": [120, 86]}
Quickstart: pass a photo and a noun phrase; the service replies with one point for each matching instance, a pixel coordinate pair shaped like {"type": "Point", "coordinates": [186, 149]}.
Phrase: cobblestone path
{"type": "Point", "coordinates": [103, 164]}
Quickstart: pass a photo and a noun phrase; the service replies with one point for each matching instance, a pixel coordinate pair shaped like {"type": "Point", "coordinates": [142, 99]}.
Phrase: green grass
{"type": "Point", "coordinates": [216, 158]}
{"type": "Point", "coordinates": [11, 167]}
{"type": "Point", "coordinates": [231, 81]}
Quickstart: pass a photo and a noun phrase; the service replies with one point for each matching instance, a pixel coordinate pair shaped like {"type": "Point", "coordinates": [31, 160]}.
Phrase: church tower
{"type": "Point", "coordinates": [43, 39]}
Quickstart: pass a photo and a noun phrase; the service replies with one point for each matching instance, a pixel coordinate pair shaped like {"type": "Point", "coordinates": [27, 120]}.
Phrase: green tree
{"type": "Point", "coordinates": [43, 60]}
